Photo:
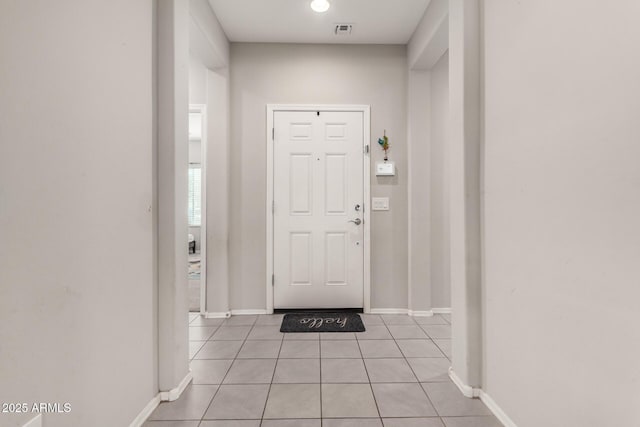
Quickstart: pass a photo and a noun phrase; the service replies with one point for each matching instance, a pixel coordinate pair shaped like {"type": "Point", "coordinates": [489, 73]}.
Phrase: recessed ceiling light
{"type": "Point", "coordinates": [320, 5]}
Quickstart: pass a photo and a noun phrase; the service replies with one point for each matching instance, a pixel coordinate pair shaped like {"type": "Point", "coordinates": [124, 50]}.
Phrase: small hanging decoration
{"type": "Point", "coordinates": [384, 142]}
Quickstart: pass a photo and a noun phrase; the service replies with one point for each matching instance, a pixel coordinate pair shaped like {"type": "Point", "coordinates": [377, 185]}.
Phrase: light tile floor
{"type": "Point", "coordinates": [248, 374]}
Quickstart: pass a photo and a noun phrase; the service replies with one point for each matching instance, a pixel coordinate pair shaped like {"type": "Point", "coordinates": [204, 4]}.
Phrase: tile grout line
{"type": "Point", "coordinates": [414, 373]}
{"type": "Point", "coordinates": [273, 374]}
{"type": "Point", "coordinates": [375, 401]}
{"type": "Point", "coordinates": [221, 381]}
{"type": "Point", "coordinates": [226, 373]}
{"type": "Point", "coordinates": [420, 383]}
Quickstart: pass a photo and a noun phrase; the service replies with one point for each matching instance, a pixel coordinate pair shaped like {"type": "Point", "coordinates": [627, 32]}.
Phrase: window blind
{"type": "Point", "coordinates": [195, 196]}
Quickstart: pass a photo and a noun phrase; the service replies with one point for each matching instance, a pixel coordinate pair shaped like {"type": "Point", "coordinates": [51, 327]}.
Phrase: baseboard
{"type": "Point", "coordinates": [467, 390]}
{"type": "Point", "coordinates": [497, 410]}
{"type": "Point", "coordinates": [145, 413]}
{"type": "Point", "coordinates": [163, 396]}
{"type": "Point", "coordinates": [34, 422]}
{"type": "Point", "coordinates": [174, 394]}
{"type": "Point", "coordinates": [248, 312]}
{"type": "Point", "coordinates": [389, 311]}
{"type": "Point", "coordinates": [217, 315]}
{"type": "Point", "coordinates": [418, 313]}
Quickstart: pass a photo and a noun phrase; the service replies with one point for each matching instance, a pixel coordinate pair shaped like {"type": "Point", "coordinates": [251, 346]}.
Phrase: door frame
{"type": "Point", "coordinates": [366, 176]}
{"type": "Point", "coordinates": [202, 109]}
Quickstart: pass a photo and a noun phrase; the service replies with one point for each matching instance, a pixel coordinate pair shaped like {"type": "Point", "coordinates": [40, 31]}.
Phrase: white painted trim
{"type": "Point", "coordinates": [389, 311]}
{"type": "Point", "coordinates": [174, 394]}
{"type": "Point", "coordinates": [366, 113]}
{"type": "Point", "coordinates": [34, 422]}
{"type": "Point", "coordinates": [425, 313]}
{"type": "Point", "coordinates": [366, 277]}
{"type": "Point", "coordinates": [144, 414]}
{"type": "Point", "coordinates": [269, 208]}
{"type": "Point", "coordinates": [497, 410]}
{"type": "Point", "coordinates": [248, 312]}
{"type": "Point", "coordinates": [471, 392]}
{"type": "Point", "coordinates": [443, 310]}
{"type": "Point", "coordinates": [217, 315]}
{"type": "Point", "coordinates": [202, 109]}
{"type": "Point", "coordinates": [163, 396]}
{"type": "Point", "coordinates": [409, 206]}
{"type": "Point", "coordinates": [466, 390]}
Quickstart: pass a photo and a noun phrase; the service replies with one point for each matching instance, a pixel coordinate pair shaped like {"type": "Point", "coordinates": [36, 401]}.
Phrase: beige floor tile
{"type": "Point", "coordinates": [343, 371]}
{"type": "Point", "coordinates": [238, 402]}
{"type": "Point", "coordinates": [402, 400]}
{"type": "Point", "coordinates": [293, 401]}
{"type": "Point", "coordinates": [251, 371]}
{"type": "Point", "coordinates": [348, 401]}
{"type": "Point", "coordinates": [299, 371]}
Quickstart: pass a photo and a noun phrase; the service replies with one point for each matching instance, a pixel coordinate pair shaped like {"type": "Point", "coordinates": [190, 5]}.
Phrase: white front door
{"type": "Point", "coordinates": [318, 221]}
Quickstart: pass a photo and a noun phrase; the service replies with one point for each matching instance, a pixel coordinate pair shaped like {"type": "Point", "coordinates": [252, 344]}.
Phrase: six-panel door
{"type": "Point", "coordinates": [318, 200]}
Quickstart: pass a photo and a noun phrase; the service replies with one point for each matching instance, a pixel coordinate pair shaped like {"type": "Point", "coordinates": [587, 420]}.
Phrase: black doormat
{"type": "Point", "coordinates": [322, 322]}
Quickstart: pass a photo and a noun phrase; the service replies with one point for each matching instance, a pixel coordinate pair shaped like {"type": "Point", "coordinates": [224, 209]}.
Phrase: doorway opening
{"type": "Point", "coordinates": [196, 211]}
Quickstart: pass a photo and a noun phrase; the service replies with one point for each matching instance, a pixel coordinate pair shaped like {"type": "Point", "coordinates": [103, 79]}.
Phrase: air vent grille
{"type": "Point", "coordinates": [343, 29]}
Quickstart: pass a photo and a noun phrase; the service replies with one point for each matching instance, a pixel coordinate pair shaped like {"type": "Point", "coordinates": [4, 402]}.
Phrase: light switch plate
{"type": "Point", "coordinates": [380, 203]}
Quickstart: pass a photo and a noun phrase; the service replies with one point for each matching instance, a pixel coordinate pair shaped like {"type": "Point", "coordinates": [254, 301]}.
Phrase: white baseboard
{"type": "Point", "coordinates": [497, 410]}
{"type": "Point", "coordinates": [248, 312]}
{"type": "Point", "coordinates": [34, 422]}
{"type": "Point", "coordinates": [423, 313]}
{"type": "Point", "coordinates": [217, 315]}
{"type": "Point", "coordinates": [417, 313]}
{"type": "Point", "coordinates": [145, 413]}
{"type": "Point", "coordinates": [163, 396]}
{"type": "Point", "coordinates": [467, 390]}
{"type": "Point", "coordinates": [174, 394]}
{"type": "Point", "coordinates": [389, 311]}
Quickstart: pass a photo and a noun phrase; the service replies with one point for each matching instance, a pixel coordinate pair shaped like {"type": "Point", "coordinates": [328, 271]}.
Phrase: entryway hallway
{"type": "Point", "coordinates": [246, 373]}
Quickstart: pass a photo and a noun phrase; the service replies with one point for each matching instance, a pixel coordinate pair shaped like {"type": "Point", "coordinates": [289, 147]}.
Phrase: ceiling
{"type": "Point", "coordinates": [293, 21]}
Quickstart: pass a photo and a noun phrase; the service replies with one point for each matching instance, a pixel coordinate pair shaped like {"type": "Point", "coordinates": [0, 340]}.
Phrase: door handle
{"type": "Point", "coordinates": [356, 221]}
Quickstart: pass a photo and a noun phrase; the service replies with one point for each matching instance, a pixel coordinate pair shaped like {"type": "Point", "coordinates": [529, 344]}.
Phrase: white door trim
{"type": "Point", "coordinates": [366, 112]}
{"type": "Point", "coordinates": [202, 109]}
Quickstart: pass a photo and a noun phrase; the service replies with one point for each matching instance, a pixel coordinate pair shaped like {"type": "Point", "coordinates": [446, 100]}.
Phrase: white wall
{"type": "Point", "coordinates": [419, 190]}
{"type": "Point", "coordinates": [197, 80]}
{"type": "Point", "coordinates": [429, 278]}
{"type": "Point", "coordinates": [430, 38]}
{"type": "Point", "coordinates": [562, 202]}
{"type": "Point", "coordinates": [77, 301]}
{"type": "Point", "coordinates": [209, 85]}
{"type": "Point", "coordinates": [217, 189]}
{"type": "Point", "coordinates": [439, 184]}
{"type": "Point", "coordinates": [316, 74]}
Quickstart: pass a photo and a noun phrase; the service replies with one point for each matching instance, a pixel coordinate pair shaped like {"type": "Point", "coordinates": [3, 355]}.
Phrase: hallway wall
{"type": "Point", "coordinates": [77, 296]}
{"type": "Point", "coordinates": [562, 203]}
{"type": "Point", "coordinates": [264, 74]}
{"type": "Point", "coordinates": [439, 184]}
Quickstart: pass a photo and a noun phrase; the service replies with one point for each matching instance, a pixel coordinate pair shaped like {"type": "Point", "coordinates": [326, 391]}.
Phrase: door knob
{"type": "Point", "coordinates": [356, 221]}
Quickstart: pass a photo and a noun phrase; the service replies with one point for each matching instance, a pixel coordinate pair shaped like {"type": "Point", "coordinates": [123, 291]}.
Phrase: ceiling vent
{"type": "Point", "coordinates": [343, 29]}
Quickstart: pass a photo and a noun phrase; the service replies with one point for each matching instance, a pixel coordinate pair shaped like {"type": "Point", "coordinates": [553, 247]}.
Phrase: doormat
{"type": "Point", "coordinates": [322, 322]}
